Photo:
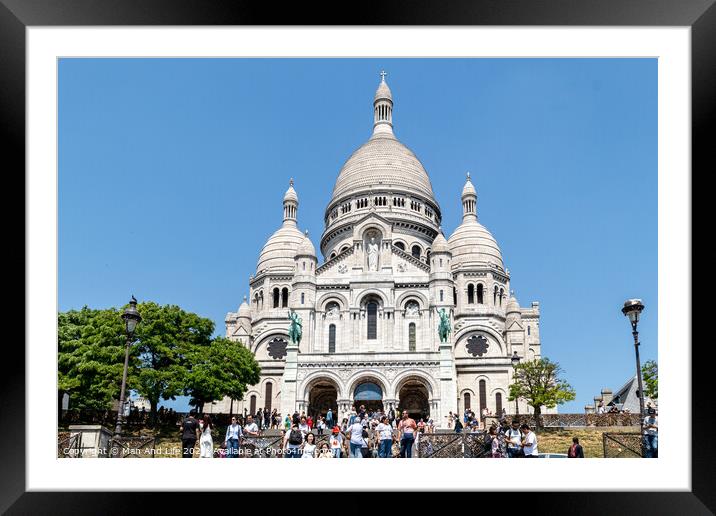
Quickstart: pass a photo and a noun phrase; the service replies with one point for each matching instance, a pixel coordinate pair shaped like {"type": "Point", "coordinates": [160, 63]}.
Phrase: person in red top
{"type": "Point", "coordinates": [406, 430]}
{"type": "Point", "coordinates": [575, 451]}
{"type": "Point", "coordinates": [309, 421]}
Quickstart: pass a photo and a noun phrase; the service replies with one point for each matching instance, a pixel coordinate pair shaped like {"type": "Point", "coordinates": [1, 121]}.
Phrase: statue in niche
{"type": "Point", "coordinates": [412, 309]}
{"type": "Point", "coordinates": [372, 254]}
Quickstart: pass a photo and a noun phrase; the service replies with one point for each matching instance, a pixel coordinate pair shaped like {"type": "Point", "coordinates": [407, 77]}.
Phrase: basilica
{"type": "Point", "coordinates": [370, 308]}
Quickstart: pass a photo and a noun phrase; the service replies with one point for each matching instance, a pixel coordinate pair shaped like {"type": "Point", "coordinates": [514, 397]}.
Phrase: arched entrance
{"type": "Point", "coordinates": [370, 395]}
{"type": "Point", "coordinates": [414, 397]}
{"type": "Point", "coordinates": [323, 396]}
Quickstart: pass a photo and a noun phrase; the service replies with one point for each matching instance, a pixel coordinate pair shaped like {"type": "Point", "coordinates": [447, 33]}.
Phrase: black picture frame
{"type": "Point", "coordinates": [17, 15]}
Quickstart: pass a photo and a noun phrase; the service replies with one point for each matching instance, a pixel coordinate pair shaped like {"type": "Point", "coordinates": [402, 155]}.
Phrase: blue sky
{"type": "Point", "coordinates": [172, 171]}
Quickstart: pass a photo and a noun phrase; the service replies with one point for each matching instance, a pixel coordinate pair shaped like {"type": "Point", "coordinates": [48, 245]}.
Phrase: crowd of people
{"type": "Point", "coordinates": [369, 434]}
{"type": "Point", "coordinates": [363, 434]}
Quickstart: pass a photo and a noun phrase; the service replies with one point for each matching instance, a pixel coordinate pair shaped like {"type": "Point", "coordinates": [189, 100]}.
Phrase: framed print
{"type": "Point", "coordinates": [443, 234]}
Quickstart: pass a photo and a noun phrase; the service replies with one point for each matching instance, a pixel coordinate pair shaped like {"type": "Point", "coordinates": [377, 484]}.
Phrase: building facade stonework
{"type": "Point", "coordinates": [370, 310]}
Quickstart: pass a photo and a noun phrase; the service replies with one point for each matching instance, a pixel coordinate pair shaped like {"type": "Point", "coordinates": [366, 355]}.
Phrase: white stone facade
{"type": "Point", "coordinates": [370, 311]}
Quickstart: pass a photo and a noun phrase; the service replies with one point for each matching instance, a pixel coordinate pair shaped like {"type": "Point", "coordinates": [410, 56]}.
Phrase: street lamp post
{"type": "Point", "coordinates": [516, 360]}
{"type": "Point", "coordinates": [131, 318]}
{"type": "Point", "coordinates": [632, 309]}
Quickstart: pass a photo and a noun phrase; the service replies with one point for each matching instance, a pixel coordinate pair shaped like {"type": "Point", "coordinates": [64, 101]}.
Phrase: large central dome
{"type": "Point", "coordinates": [383, 162]}
{"type": "Point", "coordinates": [383, 177]}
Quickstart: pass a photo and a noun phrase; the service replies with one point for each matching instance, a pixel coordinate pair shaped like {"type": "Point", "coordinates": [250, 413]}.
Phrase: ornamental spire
{"type": "Point", "coordinates": [383, 107]}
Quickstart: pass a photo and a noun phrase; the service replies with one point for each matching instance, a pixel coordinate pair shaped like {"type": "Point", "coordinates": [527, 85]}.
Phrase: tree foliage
{"type": "Point", "coordinates": [166, 339]}
{"type": "Point", "coordinates": [222, 368]}
{"type": "Point", "coordinates": [172, 353]}
{"type": "Point", "coordinates": [90, 360]}
{"type": "Point", "coordinates": [650, 373]}
{"type": "Point", "coordinates": [539, 383]}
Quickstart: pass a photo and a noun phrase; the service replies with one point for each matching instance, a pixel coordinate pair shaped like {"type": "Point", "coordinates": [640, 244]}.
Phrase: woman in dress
{"type": "Point", "coordinates": [309, 446]}
{"type": "Point", "coordinates": [206, 443]}
{"type": "Point", "coordinates": [495, 444]}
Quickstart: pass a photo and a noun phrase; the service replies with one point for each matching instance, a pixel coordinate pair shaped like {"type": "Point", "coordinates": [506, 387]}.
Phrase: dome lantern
{"type": "Point", "coordinates": [469, 200]}
{"type": "Point", "coordinates": [383, 108]}
{"type": "Point", "coordinates": [290, 204]}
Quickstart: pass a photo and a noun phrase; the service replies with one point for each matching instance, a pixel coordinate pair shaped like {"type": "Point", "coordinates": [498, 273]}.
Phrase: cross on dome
{"type": "Point", "coordinates": [382, 75]}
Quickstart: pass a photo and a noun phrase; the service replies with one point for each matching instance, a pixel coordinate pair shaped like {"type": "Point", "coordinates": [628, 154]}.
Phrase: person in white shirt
{"type": "Point", "coordinates": [309, 446]}
{"type": "Point", "coordinates": [233, 434]}
{"type": "Point", "coordinates": [355, 434]}
{"type": "Point", "coordinates": [251, 429]}
{"type": "Point", "coordinates": [529, 442]}
{"type": "Point", "coordinates": [513, 436]}
{"type": "Point", "coordinates": [335, 441]}
{"type": "Point", "coordinates": [303, 427]}
{"type": "Point", "coordinates": [385, 436]}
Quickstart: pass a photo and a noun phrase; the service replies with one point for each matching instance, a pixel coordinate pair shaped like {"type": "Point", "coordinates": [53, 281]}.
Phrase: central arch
{"type": "Point", "coordinates": [368, 394]}
{"type": "Point", "coordinates": [414, 395]}
{"type": "Point", "coordinates": [322, 396]}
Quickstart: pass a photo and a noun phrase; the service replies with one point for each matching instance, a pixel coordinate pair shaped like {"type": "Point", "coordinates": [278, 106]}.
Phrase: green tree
{"type": "Point", "coordinates": [222, 368]}
{"type": "Point", "coordinates": [90, 359]}
{"type": "Point", "coordinates": [166, 340]}
{"type": "Point", "coordinates": [91, 354]}
{"type": "Point", "coordinates": [539, 383]}
{"type": "Point", "coordinates": [650, 373]}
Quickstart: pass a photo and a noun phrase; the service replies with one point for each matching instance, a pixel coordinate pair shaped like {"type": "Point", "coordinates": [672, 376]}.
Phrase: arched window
{"type": "Point", "coordinates": [252, 405]}
{"type": "Point", "coordinates": [415, 251]}
{"type": "Point", "coordinates": [454, 296]}
{"type": "Point", "coordinates": [400, 245]}
{"type": "Point", "coordinates": [411, 337]}
{"type": "Point", "coordinates": [470, 294]}
{"type": "Point", "coordinates": [333, 255]}
{"type": "Point", "coordinates": [441, 296]}
{"type": "Point", "coordinates": [256, 301]}
{"type": "Point", "coordinates": [494, 297]}
{"type": "Point", "coordinates": [303, 298]}
{"type": "Point", "coordinates": [344, 248]}
{"type": "Point", "coordinates": [528, 330]}
{"type": "Point", "coordinates": [284, 297]}
{"type": "Point", "coordinates": [276, 295]}
{"type": "Point", "coordinates": [261, 299]}
{"type": "Point", "coordinates": [269, 396]}
{"type": "Point", "coordinates": [480, 296]}
{"type": "Point", "coordinates": [304, 265]}
{"type": "Point", "coordinates": [483, 395]}
{"type": "Point", "coordinates": [466, 398]}
{"type": "Point", "coordinates": [502, 294]}
{"type": "Point", "coordinates": [427, 256]}
{"type": "Point", "coordinates": [372, 315]}
{"type": "Point", "coordinates": [498, 404]}
{"type": "Point", "coordinates": [332, 338]}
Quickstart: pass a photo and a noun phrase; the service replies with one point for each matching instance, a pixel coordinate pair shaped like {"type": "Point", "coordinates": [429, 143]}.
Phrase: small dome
{"type": "Point", "coordinates": [306, 248]}
{"type": "Point", "coordinates": [383, 91]}
{"type": "Point", "coordinates": [512, 305]}
{"type": "Point", "coordinates": [280, 249]}
{"type": "Point", "coordinates": [244, 310]}
{"type": "Point", "coordinates": [290, 194]}
{"type": "Point", "coordinates": [473, 244]}
{"type": "Point", "coordinates": [440, 245]}
{"type": "Point", "coordinates": [468, 189]}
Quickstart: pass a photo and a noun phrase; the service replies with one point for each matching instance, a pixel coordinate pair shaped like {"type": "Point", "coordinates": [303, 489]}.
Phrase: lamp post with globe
{"type": "Point", "coordinates": [131, 318]}
{"type": "Point", "coordinates": [515, 361]}
{"type": "Point", "coordinates": [632, 309]}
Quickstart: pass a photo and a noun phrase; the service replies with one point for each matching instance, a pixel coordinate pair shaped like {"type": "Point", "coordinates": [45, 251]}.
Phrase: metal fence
{"type": "Point", "coordinates": [69, 445]}
{"type": "Point", "coordinates": [142, 447]}
{"type": "Point", "coordinates": [444, 445]}
{"type": "Point", "coordinates": [577, 420]}
{"type": "Point", "coordinates": [623, 445]}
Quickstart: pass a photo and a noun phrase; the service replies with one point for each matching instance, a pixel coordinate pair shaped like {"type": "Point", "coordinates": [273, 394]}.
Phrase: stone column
{"type": "Point", "coordinates": [289, 380]}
